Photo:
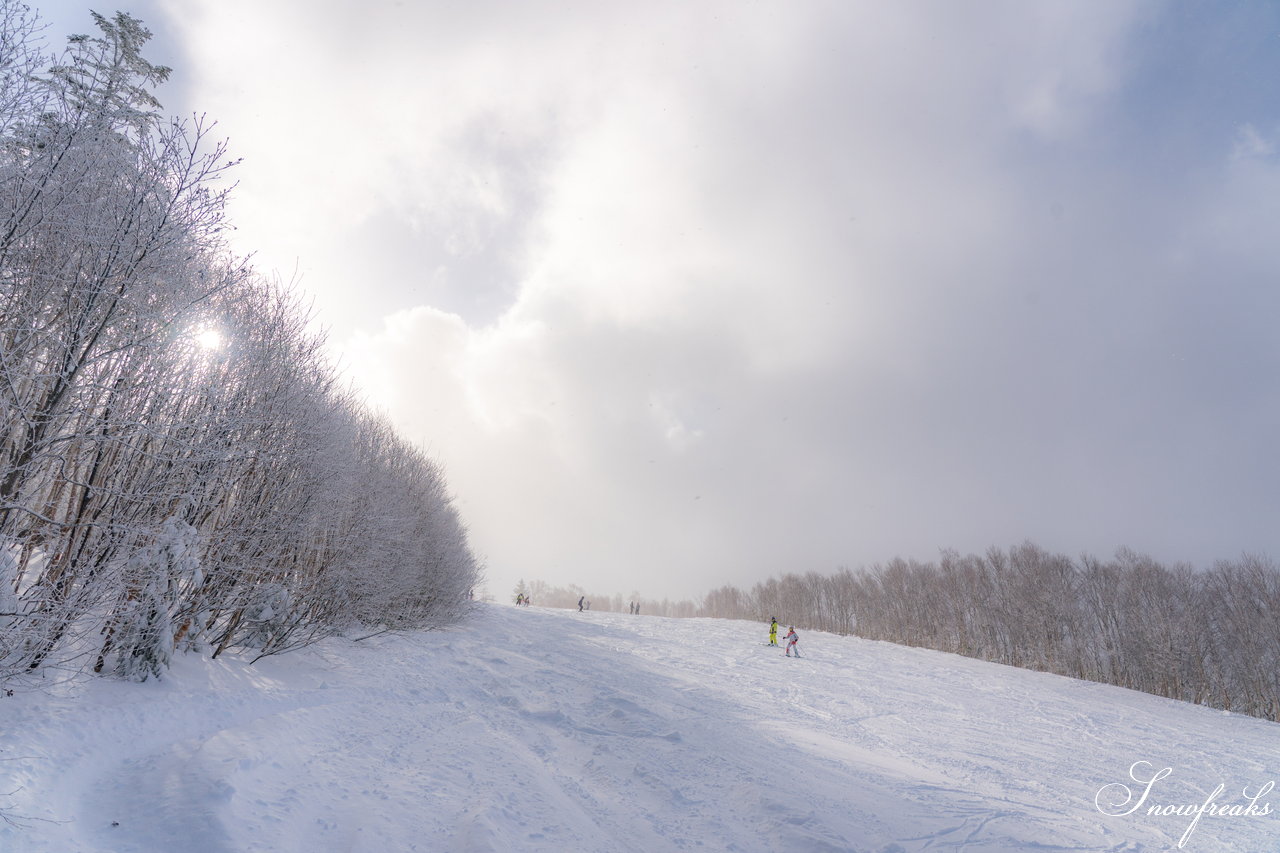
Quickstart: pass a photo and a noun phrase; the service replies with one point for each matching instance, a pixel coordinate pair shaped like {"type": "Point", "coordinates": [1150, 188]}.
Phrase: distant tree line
{"type": "Point", "coordinates": [179, 464]}
{"type": "Point", "coordinates": [1211, 637]}
{"type": "Point", "coordinates": [544, 594]}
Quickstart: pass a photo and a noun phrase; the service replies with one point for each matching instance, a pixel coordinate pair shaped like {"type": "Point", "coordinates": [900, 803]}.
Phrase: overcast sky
{"type": "Point", "coordinates": [692, 293]}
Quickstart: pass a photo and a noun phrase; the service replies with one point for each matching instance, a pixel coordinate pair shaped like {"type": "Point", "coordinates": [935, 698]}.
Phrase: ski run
{"type": "Point", "coordinates": [524, 729]}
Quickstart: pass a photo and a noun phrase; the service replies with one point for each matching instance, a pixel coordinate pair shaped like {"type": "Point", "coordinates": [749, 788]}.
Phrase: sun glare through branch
{"type": "Point", "coordinates": [210, 339]}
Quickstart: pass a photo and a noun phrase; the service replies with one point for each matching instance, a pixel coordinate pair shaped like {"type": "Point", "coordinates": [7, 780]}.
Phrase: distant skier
{"type": "Point", "coordinates": [580, 600]}
{"type": "Point", "coordinates": [773, 631]}
{"type": "Point", "coordinates": [792, 638]}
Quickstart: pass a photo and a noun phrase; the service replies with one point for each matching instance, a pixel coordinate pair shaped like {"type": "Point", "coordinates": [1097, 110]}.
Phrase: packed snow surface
{"type": "Point", "coordinates": [524, 729]}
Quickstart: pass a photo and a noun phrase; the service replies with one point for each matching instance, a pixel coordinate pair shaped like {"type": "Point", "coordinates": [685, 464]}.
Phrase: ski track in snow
{"type": "Point", "coordinates": [544, 730]}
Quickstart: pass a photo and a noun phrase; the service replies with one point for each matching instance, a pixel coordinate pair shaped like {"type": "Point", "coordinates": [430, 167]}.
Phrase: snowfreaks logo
{"type": "Point", "coordinates": [1118, 799]}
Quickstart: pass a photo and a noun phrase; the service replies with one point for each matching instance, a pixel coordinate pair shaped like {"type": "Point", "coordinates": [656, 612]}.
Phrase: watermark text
{"type": "Point", "coordinates": [1119, 799]}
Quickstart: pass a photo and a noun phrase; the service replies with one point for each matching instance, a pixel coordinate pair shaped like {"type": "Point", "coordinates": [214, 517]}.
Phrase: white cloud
{"type": "Point", "coordinates": [1251, 143]}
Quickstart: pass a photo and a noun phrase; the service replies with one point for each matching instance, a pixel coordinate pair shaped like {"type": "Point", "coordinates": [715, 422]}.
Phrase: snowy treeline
{"type": "Point", "coordinates": [546, 595]}
{"type": "Point", "coordinates": [179, 467]}
{"type": "Point", "coordinates": [1211, 637]}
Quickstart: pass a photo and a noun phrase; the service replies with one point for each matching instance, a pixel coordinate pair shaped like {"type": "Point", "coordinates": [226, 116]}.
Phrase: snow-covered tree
{"type": "Point", "coordinates": [125, 433]}
{"type": "Point", "coordinates": [141, 630]}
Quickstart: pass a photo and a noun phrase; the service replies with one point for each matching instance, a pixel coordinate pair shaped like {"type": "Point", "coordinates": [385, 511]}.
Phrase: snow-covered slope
{"type": "Point", "coordinates": [541, 730]}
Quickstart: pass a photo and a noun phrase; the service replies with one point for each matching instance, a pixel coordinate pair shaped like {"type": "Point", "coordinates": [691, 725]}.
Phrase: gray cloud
{"type": "Point", "coordinates": [712, 291]}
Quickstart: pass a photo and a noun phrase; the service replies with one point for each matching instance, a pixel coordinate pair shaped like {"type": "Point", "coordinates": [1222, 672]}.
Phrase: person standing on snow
{"type": "Point", "coordinates": [773, 631]}
{"type": "Point", "coordinates": [580, 600]}
{"type": "Point", "coordinates": [792, 638]}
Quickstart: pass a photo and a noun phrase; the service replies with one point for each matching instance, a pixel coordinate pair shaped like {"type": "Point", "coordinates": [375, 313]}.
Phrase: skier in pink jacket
{"type": "Point", "coordinates": [792, 638]}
